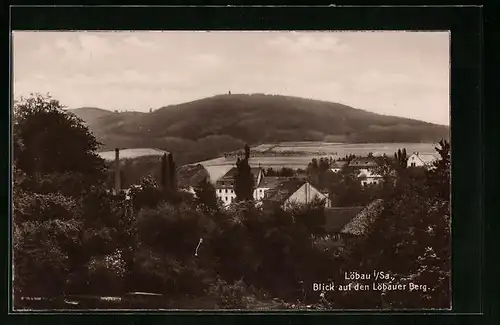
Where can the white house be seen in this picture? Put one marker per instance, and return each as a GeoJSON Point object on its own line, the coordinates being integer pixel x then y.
{"type": "Point", "coordinates": [224, 187]}
{"type": "Point", "coordinates": [365, 166]}
{"type": "Point", "coordinates": [369, 177]}
{"type": "Point", "coordinates": [421, 160]}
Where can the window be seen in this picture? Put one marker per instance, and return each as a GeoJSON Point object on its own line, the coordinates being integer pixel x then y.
{"type": "Point", "coordinates": [225, 198]}
{"type": "Point", "coordinates": [231, 191]}
{"type": "Point", "coordinates": [260, 190]}
{"type": "Point", "coordinates": [412, 164]}
{"type": "Point", "coordinates": [226, 190]}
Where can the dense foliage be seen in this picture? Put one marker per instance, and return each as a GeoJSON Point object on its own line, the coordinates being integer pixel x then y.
{"type": "Point", "coordinates": [80, 239]}
{"type": "Point", "coordinates": [50, 139]}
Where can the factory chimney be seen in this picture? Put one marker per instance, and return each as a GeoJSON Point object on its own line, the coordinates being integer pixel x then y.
{"type": "Point", "coordinates": [117, 171]}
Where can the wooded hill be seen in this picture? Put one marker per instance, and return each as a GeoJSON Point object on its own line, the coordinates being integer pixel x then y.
{"type": "Point", "coordinates": [206, 128]}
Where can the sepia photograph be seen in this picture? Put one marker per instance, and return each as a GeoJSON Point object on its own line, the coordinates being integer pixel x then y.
{"type": "Point", "coordinates": [230, 170]}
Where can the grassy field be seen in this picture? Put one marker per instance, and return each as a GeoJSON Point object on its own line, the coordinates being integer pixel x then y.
{"type": "Point", "coordinates": [131, 153]}
{"type": "Point", "coordinates": [219, 166]}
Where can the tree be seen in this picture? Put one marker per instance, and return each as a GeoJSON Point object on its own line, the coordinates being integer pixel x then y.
{"type": "Point", "coordinates": [49, 139]}
{"type": "Point", "coordinates": [440, 172]}
{"type": "Point", "coordinates": [46, 235]}
{"type": "Point", "coordinates": [411, 238]}
{"type": "Point", "coordinates": [172, 170]}
{"type": "Point", "coordinates": [401, 160]}
{"type": "Point", "coordinates": [243, 181]}
{"type": "Point", "coordinates": [205, 195]}
{"type": "Point", "coordinates": [385, 168]}
{"type": "Point", "coordinates": [164, 173]}
{"type": "Point", "coordinates": [55, 166]}
{"type": "Point", "coordinates": [147, 194]}
{"type": "Point", "coordinates": [345, 187]}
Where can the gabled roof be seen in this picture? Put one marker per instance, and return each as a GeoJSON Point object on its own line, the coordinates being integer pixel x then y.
{"type": "Point", "coordinates": [425, 158]}
{"type": "Point", "coordinates": [284, 190]}
{"type": "Point", "coordinates": [336, 218]}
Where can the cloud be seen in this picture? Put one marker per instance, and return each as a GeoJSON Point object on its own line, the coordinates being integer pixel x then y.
{"type": "Point", "coordinates": [94, 44]}
{"type": "Point", "coordinates": [75, 49]}
{"type": "Point", "coordinates": [399, 84]}
{"type": "Point", "coordinates": [206, 60]}
{"type": "Point", "coordinates": [136, 43]}
{"type": "Point", "coordinates": [300, 44]}
{"type": "Point", "coordinates": [375, 80]}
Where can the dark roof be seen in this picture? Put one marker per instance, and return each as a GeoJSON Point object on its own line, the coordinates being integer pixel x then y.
{"type": "Point", "coordinates": [191, 175]}
{"type": "Point", "coordinates": [338, 164]}
{"type": "Point", "coordinates": [272, 181]}
{"type": "Point", "coordinates": [228, 178]}
{"type": "Point", "coordinates": [363, 220]}
{"type": "Point", "coordinates": [232, 172]}
{"type": "Point", "coordinates": [283, 191]}
{"type": "Point", "coordinates": [336, 218]}
{"type": "Point", "coordinates": [363, 162]}
{"type": "Point", "coordinates": [224, 184]}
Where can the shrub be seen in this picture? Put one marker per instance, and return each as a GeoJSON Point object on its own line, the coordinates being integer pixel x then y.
{"type": "Point", "coordinates": [43, 207]}
{"type": "Point", "coordinates": [105, 274]}
{"type": "Point", "coordinates": [41, 256]}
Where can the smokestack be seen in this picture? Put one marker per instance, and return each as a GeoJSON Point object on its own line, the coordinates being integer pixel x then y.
{"type": "Point", "coordinates": [117, 171]}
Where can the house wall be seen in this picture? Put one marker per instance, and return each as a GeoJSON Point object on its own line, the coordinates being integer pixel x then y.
{"type": "Point", "coordinates": [368, 172]}
{"type": "Point", "coordinates": [414, 161]}
{"type": "Point", "coordinates": [227, 195]}
{"type": "Point", "coordinates": [305, 194]}
{"type": "Point", "coordinates": [259, 192]}
{"type": "Point", "coordinates": [372, 180]}
{"type": "Point", "coordinates": [369, 177]}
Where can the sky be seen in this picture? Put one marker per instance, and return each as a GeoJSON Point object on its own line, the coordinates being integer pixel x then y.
{"type": "Point", "coordinates": [392, 73]}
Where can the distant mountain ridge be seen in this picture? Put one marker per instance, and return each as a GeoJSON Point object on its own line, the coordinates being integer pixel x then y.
{"type": "Point", "coordinates": [90, 114]}
{"type": "Point", "coordinates": [205, 128]}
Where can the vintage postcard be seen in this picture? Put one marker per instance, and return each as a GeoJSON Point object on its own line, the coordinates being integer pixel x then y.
{"type": "Point", "coordinates": [231, 170]}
